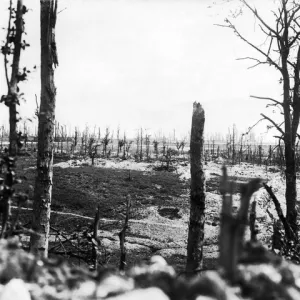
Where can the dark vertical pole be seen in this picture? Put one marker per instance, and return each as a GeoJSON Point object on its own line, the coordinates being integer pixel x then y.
{"type": "Point", "coordinates": [197, 196]}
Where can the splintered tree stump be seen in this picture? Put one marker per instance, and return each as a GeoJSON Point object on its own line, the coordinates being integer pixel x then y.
{"type": "Point", "coordinates": [197, 194]}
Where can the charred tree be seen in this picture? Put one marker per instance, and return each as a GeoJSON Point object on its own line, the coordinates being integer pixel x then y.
{"type": "Point", "coordinates": [43, 181]}
{"type": "Point", "coordinates": [197, 193]}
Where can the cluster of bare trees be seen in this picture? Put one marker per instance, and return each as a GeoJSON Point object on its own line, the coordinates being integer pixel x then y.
{"type": "Point", "coordinates": [254, 153]}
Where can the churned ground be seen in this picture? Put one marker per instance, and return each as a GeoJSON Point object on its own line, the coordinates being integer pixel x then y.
{"type": "Point", "coordinates": [159, 204]}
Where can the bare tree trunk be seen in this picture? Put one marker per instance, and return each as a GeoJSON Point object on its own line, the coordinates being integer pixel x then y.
{"type": "Point", "coordinates": [289, 146]}
{"type": "Point", "coordinates": [13, 85]}
{"type": "Point", "coordinates": [43, 181]}
{"type": "Point", "coordinates": [13, 144]}
{"type": "Point", "coordinates": [291, 191]}
{"type": "Point", "coordinates": [197, 196]}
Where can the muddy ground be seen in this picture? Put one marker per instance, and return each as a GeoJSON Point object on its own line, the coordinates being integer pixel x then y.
{"type": "Point", "coordinates": [160, 205]}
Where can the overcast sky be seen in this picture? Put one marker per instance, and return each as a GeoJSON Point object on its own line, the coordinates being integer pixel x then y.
{"type": "Point", "coordinates": [142, 63]}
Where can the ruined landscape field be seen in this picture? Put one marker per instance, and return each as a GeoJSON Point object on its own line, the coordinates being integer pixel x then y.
{"type": "Point", "coordinates": [159, 213]}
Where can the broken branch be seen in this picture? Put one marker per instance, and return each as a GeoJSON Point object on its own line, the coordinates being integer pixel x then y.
{"type": "Point", "coordinates": [275, 125]}
{"type": "Point", "coordinates": [267, 98]}
{"type": "Point", "coordinates": [288, 229]}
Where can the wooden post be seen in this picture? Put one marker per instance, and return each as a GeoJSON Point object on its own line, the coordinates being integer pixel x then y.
{"type": "Point", "coordinates": [197, 196]}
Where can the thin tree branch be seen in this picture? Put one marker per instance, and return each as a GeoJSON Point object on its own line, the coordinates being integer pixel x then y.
{"type": "Point", "coordinates": [272, 104]}
{"type": "Point", "coordinates": [271, 42]}
{"type": "Point", "coordinates": [279, 126]}
{"type": "Point", "coordinates": [291, 19]}
{"type": "Point", "coordinates": [267, 98]}
{"type": "Point", "coordinates": [251, 127]}
{"type": "Point", "coordinates": [62, 10]}
{"type": "Point", "coordinates": [287, 227]}
{"type": "Point", "coordinates": [265, 32]}
{"type": "Point", "coordinates": [295, 31]}
{"type": "Point", "coordinates": [294, 39]}
{"type": "Point", "coordinates": [251, 58]}
{"type": "Point", "coordinates": [269, 59]}
{"type": "Point", "coordinates": [293, 15]}
{"type": "Point", "coordinates": [297, 23]}
{"type": "Point", "coordinates": [291, 64]}
{"type": "Point", "coordinates": [278, 137]}
{"type": "Point", "coordinates": [255, 59]}
{"type": "Point", "coordinates": [259, 63]}
{"type": "Point", "coordinates": [275, 125]}
{"type": "Point", "coordinates": [254, 11]}
{"type": "Point", "coordinates": [279, 22]}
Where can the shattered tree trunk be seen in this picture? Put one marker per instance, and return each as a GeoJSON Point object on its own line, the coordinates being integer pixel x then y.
{"type": "Point", "coordinates": [43, 181]}
{"type": "Point", "coordinates": [197, 196]}
{"type": "Point", "coordinates": [13, 85]}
